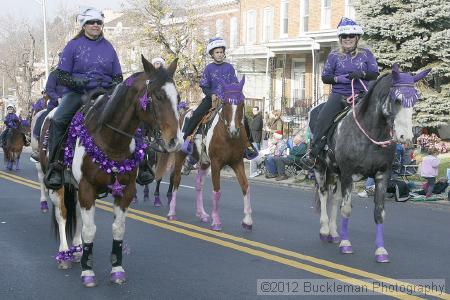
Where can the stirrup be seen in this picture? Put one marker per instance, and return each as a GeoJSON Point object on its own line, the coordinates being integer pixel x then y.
{"type": "Point", "coordinates": [307, 161]}
{"type": "Point", "coordinates": [187, 147]}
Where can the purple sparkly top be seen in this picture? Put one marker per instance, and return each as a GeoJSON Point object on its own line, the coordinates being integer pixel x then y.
{"type": "Point", "coordinates": [339, 63]}
{"type": "Point", "coordinates": [214, 73]}
{"type": "Point", "coordinates": [11, 120]}
{"type": "Point", "coordinates": [38, 105]}
{"type": "Point", "coordinates": [54, 90]}
{"type": "Point", "coordinates": [96, 61]}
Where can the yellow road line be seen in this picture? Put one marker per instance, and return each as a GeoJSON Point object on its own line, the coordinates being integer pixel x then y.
{"type": "Point", "coordinates": [18, 177]}
{"type": "Point", "coordinates": [262, 254]}
{"type": "Point", "coordinates": [248, 242]}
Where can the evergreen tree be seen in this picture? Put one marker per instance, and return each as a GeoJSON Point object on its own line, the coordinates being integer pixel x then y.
{"type": "Point", "coordinates": [415, 34]}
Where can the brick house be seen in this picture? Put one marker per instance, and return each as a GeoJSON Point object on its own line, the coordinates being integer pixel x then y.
{"type": "Point", "coordinates": [282, 48]}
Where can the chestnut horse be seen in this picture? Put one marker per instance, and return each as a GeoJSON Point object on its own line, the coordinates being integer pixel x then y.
{"type": "Point", "coordinates": [13, 146]}
{"type": "Point", "coordinates": [222, 145]}
{"type": "Point", "coordinates": [103, 153]}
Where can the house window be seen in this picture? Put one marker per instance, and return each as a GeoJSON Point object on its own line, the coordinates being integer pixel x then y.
{"type": "Point", "coordinates": [251, 27]}
{"type": "Point", "coordinates": [298, 84]}
{"type": "Point", "coordinates": [233, 32]}
{"type": "Point", "coordinates": [219, 28]}
{"type": "Point", "coordinates": [267, 24]}
{"type": "Point", "coordinates": [304, 16]}
{"type": "Point", "coordinates": [284, 20]}
{"type": "Point", "coordinates": [325, 14]}
{"type": "Point", "coordinates": [350, 9]}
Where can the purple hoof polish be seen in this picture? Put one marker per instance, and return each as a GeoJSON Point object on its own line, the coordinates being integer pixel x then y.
{"type": "Point", "coordinates": [88, 281]}
{"type": "Point", "coordinates": [246, 226]}
{"type": "Point", "coordinates": [118, 277]}
{"type": "Point", "coordinates": [383, 258]}
{"type": "Point", "coordinates": [157, 202]}
{"type": "Point", "coordinates": [44, 206]}
{"type": "Point", "coordinates": [324, 238]}
{"type": "Point", "coordinates": [216, 227]}
{"type": "Point", "coordinates": [346, 249]}
{"type": "Point", "coordinates": [172, 218]}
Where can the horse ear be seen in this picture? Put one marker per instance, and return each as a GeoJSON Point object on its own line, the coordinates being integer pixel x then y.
{"type": "Point", "coordinates": [395, 71]}
{"type": "Point", "coordinates": [173, 66]}
{"type": "Point", "coordinates": [148, 67]}
{"type": "Point", "coordinates": [242, 82]}
{"type": "Point", "coordinates": [421, 75]}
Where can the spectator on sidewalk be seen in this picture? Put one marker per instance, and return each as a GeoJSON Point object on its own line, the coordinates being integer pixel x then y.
{"type": "Point", "coordinates": [295, 154]}
{"type": "Point", "coordinates": [275, 123]}
{"type": "Point", "coordinates": [369, 189]}
{"type": "Point", "coordinates": [256, 127]}
{"type": "Point", "coordinates": [275, 145]}
{"type": "Point", "coordinates": [429, 169]}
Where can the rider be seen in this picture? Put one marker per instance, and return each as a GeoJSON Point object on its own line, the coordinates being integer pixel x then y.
{"type": "Point", "coordinates": [87, 62]}
{"type": "Point", "coordinates": [11, 121]}
{"type": "Point", "coordinates": [210, 85]}
{"type": "Point", "coordinates": [53, 92]}
{"type": "Point", "coordinates": [342, 65]}
{"type": "Point", "coordinates": [158, 62]}
{"type": "Point", "coordinates": [39, 104]}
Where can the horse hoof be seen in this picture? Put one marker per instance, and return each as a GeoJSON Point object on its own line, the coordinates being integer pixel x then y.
{"type": "Point", "coordinates": [118, 277]}
{"type": "Point", "coordinates": [204, 219]}
{"type": "Point", "coordinates": [346, 249]}
{"type": "Point", "coordinates": [383, 258]}
{"type": "Point", "coordinates": [88, 281]}
{"type": "Point", "coordinates": [334, 239]}
{"type": "Point", "coordinates": [76, 258]}
{"type": "Point", "coordinates": [216, 227]}
{"type": "Point", "coordinates": [44, 206]}
{"type": "Point", "coordinates": [324, 238]}
{"type": "Point", "coordinates": [64, 265]}
{"type": "Point", "coordinates": [247, 226]}
{"type": "Point", "coordinates": [157, 202]}
{"type": "Point", "coordinates": [172, 218]}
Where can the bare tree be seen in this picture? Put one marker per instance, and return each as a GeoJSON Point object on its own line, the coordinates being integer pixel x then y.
{"type": "Point", "coordinates": [177, 31]}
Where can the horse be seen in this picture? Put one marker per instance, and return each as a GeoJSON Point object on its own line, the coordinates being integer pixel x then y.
{"type": "Point", "coordinates": [103, 152]}
{"type": "Point", "coordinates": [13, 146]}
{"type": "Point", "coordinates": [35, 148]}
{"type": "Point", "coordinates": [223, 144]}
{"type": "Point", "coordinates": [363, 145]}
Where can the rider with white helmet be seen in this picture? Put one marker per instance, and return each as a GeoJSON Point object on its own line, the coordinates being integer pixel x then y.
{"type": "Point", "coordinates": [217, 71]}
{"type": "Point", "coordinates": [11, 121]}
{"type": "Point", "coordinates": [342, 65]}
{"type": "Point", "coordinates": [158, 62]}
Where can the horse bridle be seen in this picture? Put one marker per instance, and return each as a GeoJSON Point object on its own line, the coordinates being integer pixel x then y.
{"type": "Point", "coordinates": [143, 103]}
{"type": "Point", "coordinates": [225, 122]}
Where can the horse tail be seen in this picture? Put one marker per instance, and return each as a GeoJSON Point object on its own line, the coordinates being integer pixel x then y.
{"type": "Point", "coordinates": [70, 204]}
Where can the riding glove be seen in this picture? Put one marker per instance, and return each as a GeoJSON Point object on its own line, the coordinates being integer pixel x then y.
{"type": "Point", "coordinates": [357, 75]}
{"type": "Point", "coordinates": [342, 79]}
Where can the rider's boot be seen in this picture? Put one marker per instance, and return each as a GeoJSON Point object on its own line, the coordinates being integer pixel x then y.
{"type": "Point", "coordinates": [189, 165]}
{"type": "Point", "coordinates": [35, 156]}
{"type": "Point", "coordinates": [145, 174]}
{"type": "Point", "coordinates": [26, 140]}
{"type": "Point", "coordinates": [308, 161]}
{"type": "Point", "coordinates": [250, 151]}
{"type": "Point", "coordinates": [53, 178]}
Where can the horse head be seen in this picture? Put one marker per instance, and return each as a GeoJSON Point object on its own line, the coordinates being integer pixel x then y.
{"type": "Point", "coordinates": [402, 97]}
{"type": "Point", "coordinates": [233, 106]}
{"type": "Point", "coordinates": [158, 105]}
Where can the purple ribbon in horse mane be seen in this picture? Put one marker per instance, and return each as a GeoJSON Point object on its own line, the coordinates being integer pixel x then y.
{"type": "Point", "coordinates": [182, 105]}
{"type": "Point", "coordinates": [78, 130]}
{"type": "Point", "coordinates": [143, 101]}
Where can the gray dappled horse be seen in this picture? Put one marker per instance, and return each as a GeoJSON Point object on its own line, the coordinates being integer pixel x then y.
{"type": "Point", "coordinates": [383, 114]}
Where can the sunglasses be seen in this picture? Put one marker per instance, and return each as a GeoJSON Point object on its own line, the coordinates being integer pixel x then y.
{"type": "Point", "coordinates": [347, 36]}
{"type": "Point", "coordinates": [92, 22]}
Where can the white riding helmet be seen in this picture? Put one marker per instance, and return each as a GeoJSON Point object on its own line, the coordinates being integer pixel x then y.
{"type": "Point", "coordinates": [159, 60]}
{"type": "Point", "coordinates": [10, 105]}
{"type": "Point", "coordinates": [348, 26]}
{"type": "Point", "coordinates": [215, 43]}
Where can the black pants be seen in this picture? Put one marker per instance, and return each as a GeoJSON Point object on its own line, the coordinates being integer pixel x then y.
{"type": "Point", "coordinates": [332, 107]}
{"type": "Point", "coordinates": [62, 117]}
{"type": "Point", "coordinates": [39, 122]}
{"type": "Point", "coordinates": [200, 112]}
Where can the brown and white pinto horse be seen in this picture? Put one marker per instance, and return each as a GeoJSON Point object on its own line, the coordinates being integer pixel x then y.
{"type": "Point", "coordinates": [223, 145]}
{"type": "Point", "coordinates": [110, 123]}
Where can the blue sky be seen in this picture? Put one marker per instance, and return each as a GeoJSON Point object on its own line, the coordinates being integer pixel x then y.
{"type": "Point", "coordinates": [32, 10]}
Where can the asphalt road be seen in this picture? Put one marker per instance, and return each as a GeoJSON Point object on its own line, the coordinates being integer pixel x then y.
{"type": "Point", "coordinates": [186, 260]}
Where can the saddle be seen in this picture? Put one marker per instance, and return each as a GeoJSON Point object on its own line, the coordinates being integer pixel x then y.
{"type": "Point", "coordinates": [205, 123]}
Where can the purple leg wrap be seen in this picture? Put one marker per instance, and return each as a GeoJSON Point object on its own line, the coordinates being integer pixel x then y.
{"type": "Point", "coordinates": [344, 228]}
{"type": "Point", "coordinates": [379, 241]}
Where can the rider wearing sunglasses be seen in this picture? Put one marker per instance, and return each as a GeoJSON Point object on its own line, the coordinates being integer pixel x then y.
{"type": "Point", "coordinates": [342, 65]}
{"type": "Point", "coordinates": [87, 62]}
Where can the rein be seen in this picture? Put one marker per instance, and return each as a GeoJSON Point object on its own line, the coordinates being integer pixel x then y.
{"type": "Point", "coordinates": [351, 100]}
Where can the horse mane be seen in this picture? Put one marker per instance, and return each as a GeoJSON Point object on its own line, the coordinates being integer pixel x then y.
{"type": "Point", "coordinates": [117, 96]}
{"type": "Point", "coordinates": [375, 89]}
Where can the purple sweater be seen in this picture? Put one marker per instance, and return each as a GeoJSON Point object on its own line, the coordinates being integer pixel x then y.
{"type": "Point", "coordinates": [11, 120]}
{"type": "Point", "coordinates": [214, 73]}
{"type": "Point", "coordinates": [339, 63]}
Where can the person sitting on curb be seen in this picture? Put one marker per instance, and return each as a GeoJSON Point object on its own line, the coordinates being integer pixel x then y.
{"type": "Point", "coordinates": [295, 154]}
{"type": "Point", "coordinates": [429, 169]}
{"type": "Point", "coordinates": [276, 147]}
